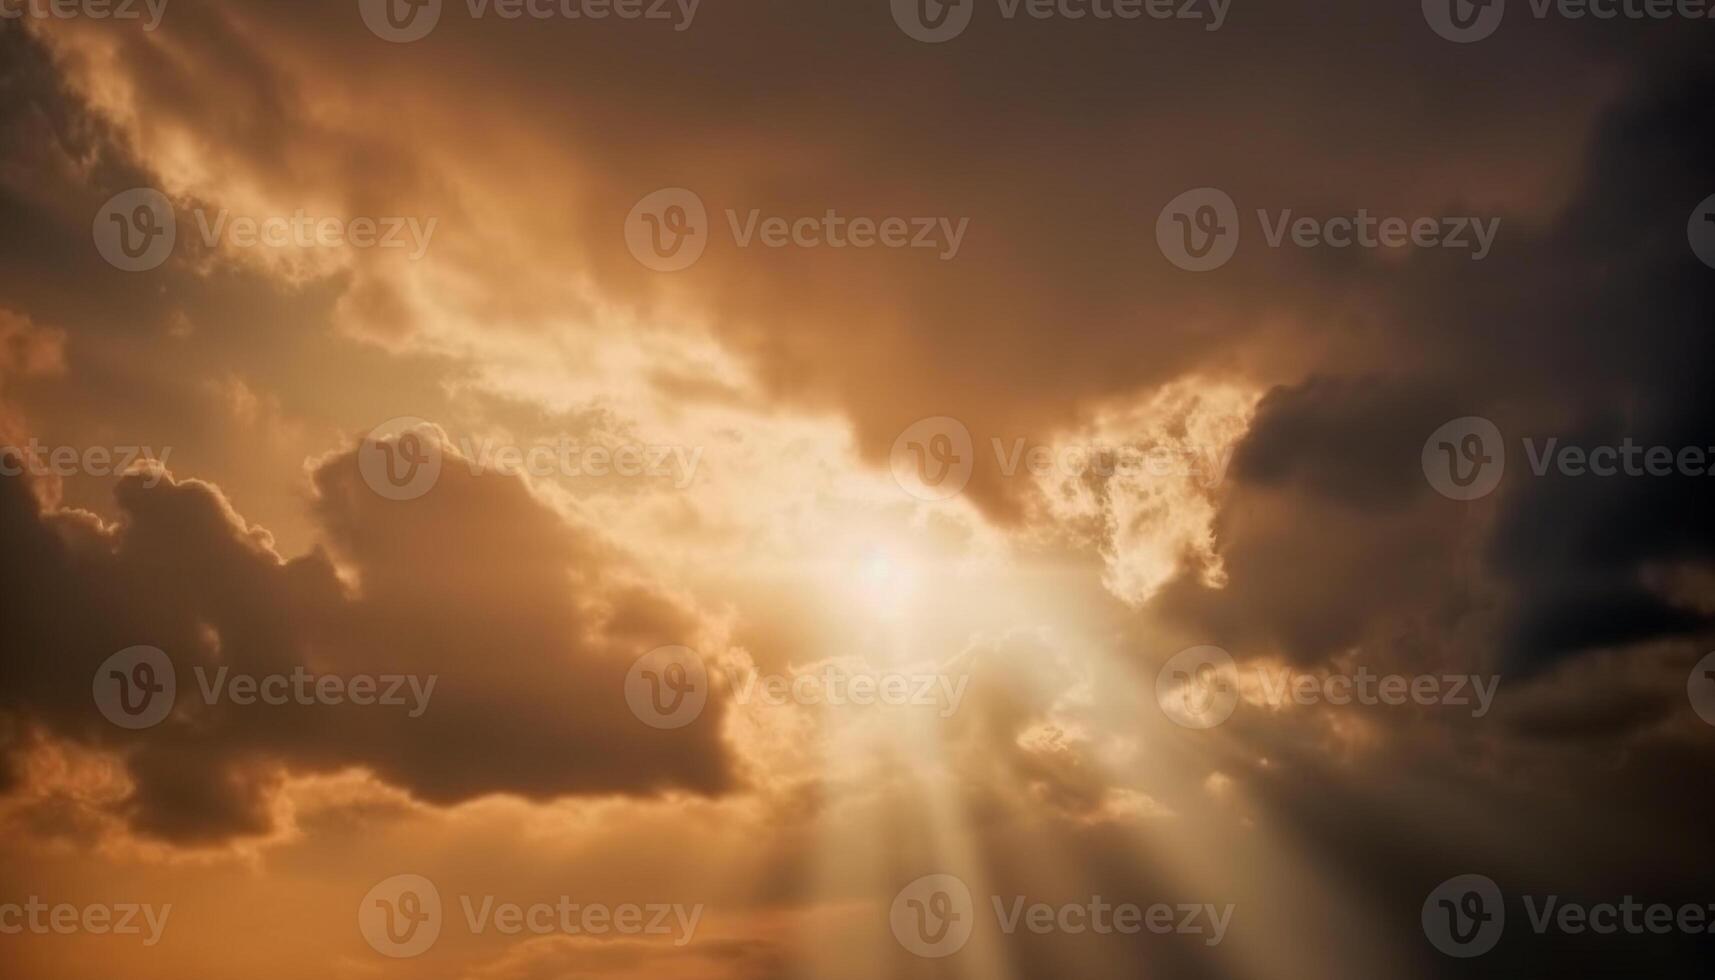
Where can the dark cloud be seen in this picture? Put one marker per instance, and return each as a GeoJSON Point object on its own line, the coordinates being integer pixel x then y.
{"type": "Point", "coordinates": [1589, 329]}
{"type": "Point", "coordinates": [1352, 441]}
{"type": "Point", "coordinates": [528, 623]}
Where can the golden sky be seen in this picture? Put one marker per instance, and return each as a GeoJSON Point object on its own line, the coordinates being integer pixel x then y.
{"type": "Point", "coordinates": [728, 464]}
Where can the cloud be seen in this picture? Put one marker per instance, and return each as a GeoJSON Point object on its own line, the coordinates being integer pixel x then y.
{"type": "Point", "coordinates": [1059, 323]}
{"type": "Point", "coordinates": [528, 623]}
{"type": "Point", "coordinates": [531, 161]}
{"type": "Point", "coordinates": [1583, 329]}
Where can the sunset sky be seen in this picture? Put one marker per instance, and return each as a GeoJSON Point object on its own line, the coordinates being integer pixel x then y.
{"type": "Point", "coordinates": [739, 459]}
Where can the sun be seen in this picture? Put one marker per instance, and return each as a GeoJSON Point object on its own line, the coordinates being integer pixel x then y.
{"type": "Point", "coordinates": [886, 581]}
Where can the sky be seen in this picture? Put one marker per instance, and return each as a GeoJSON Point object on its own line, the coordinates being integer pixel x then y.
{"type": "Point", "coordinates": [753, 490]}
